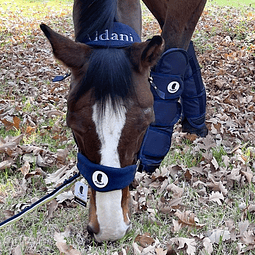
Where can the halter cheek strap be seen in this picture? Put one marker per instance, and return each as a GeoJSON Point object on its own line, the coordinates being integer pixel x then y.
{"type": "Point", "coordinates": [103, 178]}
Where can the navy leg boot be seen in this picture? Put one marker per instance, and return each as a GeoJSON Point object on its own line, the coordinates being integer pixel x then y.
{"type": "Point", "coordinates": [167, 87]}
{"type": "Point", "coordinates": [193, 98]}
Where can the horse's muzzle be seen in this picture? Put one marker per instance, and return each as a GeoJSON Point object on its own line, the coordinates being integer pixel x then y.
{"type": "Point", "coordinates": [99, 237]}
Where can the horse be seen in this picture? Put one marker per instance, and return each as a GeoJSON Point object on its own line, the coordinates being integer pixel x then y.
{"type": "Point", "coordinates": [110, 103]}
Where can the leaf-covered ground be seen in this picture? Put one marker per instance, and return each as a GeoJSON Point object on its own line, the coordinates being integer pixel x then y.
{"type": "Point", "coordinates": [201, 200]}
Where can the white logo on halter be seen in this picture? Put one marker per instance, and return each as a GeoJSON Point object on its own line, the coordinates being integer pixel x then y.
{"type": "Point", "coordinates": [173, 87]}
{"type": "Point", "coordinates": [107, 36]}
{"type": "Point", "coordinates": [100, 179]}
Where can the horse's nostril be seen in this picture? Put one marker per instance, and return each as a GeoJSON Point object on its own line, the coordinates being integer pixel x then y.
{"type": "Point", "coordinates": [90, 230]}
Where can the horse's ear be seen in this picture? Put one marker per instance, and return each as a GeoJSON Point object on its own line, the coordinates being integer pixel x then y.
{"type": "Point", "coordinates": [152, 51]}
{"type": "Point", "coordinates": [71, 53]}
{"type": "Point", "coordinates": [146, 54]}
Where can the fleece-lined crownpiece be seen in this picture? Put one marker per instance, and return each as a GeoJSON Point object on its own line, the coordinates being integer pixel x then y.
{"type": "Point", "coordinates": [119, 36]}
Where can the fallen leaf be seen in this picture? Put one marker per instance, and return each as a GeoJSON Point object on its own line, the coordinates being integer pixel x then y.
{"type": "Point", "coordinates": [251, 208]}
{"type": "Point", "coordinates": [219, 234]}
{"type": "Point", "coordinates": [208, 248]}
{"type": "Point", "coordinates": [7, 124]}
{"type": "Point", "coordinates": [176, 225]}
{"type": "Point", "coordinates": [160, 251]}
{"type": "Point", "coordinates": [136, 249]}
{"type": "Point", "coordinates": [67, 249]}
{"type": "Point", "coordinates": [38, 171]}
{"type": "Point", "coordinates": [191, 137]}
{"type": "Point", "coordinates": [248, 238]}
{"type": "Point", "coordinates": [29, 158]}
{"type": "Point", "coordinates": [25, 168]}
{"type": "Point", "coordinates": [248, 175]}
{"type": "Point", "coordinates": [216, 197]}
{"type": "Point", "coordinates": [16, 122]}
{"type": "Point", "coordinates": [188, 175]}
{"type": "Point", "coordinates": [177, 191]}
{"type": "Point", "coordinates": [182, 242]}
{"type": "Point", "coordinates": [8, 214]}
{"type": "Point", "coordinates": [217, 186]}
{"type": "Point", "coordinates": [17, 250]}
{"type": "Point", "coordinates": [61, 243]}
{"type": "Point", "coordinates": [65, 196]}
{"type": "Point", "coordinates": [243, 226]}
{"type": "Point", "coordinates": [30, 130]}
{"type": "Point", "coordinates": [232, 228]}
{"type": "Point", "coordinates": [144, 240]}
{"type": "Point", "coordinates": [62, 155]}
{"type": "Point", "coordinates": [5, 164]}
{"type": "Point", "coordinates": [8, 147]}
{"type": "Point", "coordinates": [60, 175]}
{"type": "Point", "coordinates": [51, 207]}
{"type": "Point", "coordinates": [215, 163]}
{"type": "Point", "coordinates": [169, 205]}
{"type": "Point", "coordinates": [60, 237]}
{"type": "Point", "coordinates": [170, 250]}
{"type": "Point", "coordinates": [187, 218]}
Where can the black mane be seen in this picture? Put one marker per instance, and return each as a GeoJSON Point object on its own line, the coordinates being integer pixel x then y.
{"type": "Point", "coordinates": [109, 72]}
{"type": "Point", "coordinates": [95, 15]}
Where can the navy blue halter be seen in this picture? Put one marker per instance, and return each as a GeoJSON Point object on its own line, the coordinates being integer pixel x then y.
{"type": "Point", "coordinates": [103, 178]}
{"type": "Point", "coordinates": [119, 36]}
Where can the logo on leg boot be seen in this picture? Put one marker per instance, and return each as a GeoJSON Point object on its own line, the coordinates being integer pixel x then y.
{"type": "Point", "coordinates": [173, 87]}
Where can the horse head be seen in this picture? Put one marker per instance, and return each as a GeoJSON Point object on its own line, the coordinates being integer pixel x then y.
{"type": "Point", "coordinates": [110, 106]}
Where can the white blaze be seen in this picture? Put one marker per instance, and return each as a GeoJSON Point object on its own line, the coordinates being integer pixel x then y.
{"type": "Point", "coordinates": [108, 204]}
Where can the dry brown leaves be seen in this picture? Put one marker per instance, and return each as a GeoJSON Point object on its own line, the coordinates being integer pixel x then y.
{"type": "Point", "coordinates": [212, 183]}
{"type": "Point", "coordinates": [63, 247]}
{"type": "Point", "coordinates": [29, 101]}
{"type": "Point", "coordinates": [229, 75]}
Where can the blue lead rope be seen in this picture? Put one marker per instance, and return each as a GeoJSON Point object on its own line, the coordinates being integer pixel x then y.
{"type": "Point", "coordinates": [100, 178]}
{"type": "Point", "coordinates": [60, 77]}
{"type": "Point", "coordinates": [45, 199]}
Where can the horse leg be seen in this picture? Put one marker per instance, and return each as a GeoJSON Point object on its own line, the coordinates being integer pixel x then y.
{"type": "Point", "coordinates": [158, 8]}
{"type": "Point", "coordinates": [176, 75]}
{"type": "Point", "coordinates": [176, 32]}
{"type": "Point", "coordinates": [177, 19]}
{"type": "Point", "coordinates": [129, 13]}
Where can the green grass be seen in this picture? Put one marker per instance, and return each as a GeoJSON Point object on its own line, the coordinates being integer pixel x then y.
{"type": "Point", "coordinates": [234, 3]}
{"type": "Point", "coordinates": [39, 7]}
{"type": "Point", "coordinates": [16, 26]}
{"type": "Point", "coordinates": [235, 23]}
{"type": "Point", "coordinates": [35, 233]}
{"type": "Point", "coordinates": [182, 154]}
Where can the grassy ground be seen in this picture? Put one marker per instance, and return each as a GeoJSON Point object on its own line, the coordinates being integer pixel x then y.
{"type": "Point", "coordinates": [205, 187]}
{"type": "Point", "coordinates": [235, 3]}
